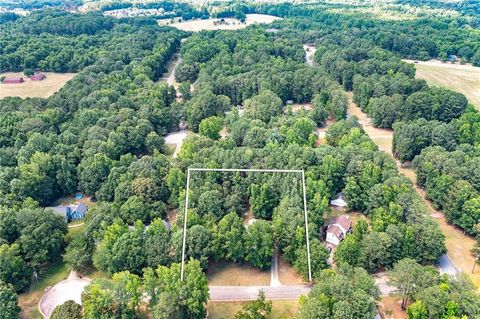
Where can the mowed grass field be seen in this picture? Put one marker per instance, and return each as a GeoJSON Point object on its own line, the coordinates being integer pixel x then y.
{"type": "Point", "coordinates": [229, 24]}
{"type": "Point", "coordinates": [461, 78]}
{"type": "Point", "coordinates": [281, 309]}
{"type": "Point", "coordinates": [43, 89]}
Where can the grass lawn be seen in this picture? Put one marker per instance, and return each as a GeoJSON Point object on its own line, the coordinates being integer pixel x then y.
{"type": "Point", "coordinates": [170, 149]}
{"type": "Point", "coordinates": [231, 274]}
{"type": "Point", "coordinates": [461, 78]}
{"type": "Point", "coordinates": [287, 274]}
{"type": "Point", "coordinates": [44, 89]}
{"type": "Point", "coordinates": [28, 300]}
{"type": "Point", "coordinates": [281, 309]}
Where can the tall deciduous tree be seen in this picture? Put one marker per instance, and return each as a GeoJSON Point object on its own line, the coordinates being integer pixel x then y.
{"type": "Point", "coordinates": [410, 277]}
{"type": "Point", "coordinates": [8, 301]}
{"type": "Point", "coordinates": [259, 244]}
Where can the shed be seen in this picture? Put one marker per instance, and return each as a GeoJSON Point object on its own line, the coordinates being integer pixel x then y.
{"type": "Point", "coordinates": [38, 77]}
{"type": "Point", "coordinates": [14, 80]}
{"type": "Point", "coordinates": [339, 201]}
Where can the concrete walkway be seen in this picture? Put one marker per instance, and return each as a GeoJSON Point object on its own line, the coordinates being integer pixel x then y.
{"type": "Point", "coordinates": [274, 281]}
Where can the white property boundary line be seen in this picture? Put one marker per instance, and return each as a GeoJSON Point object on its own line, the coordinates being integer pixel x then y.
{"type": "Point", "coordinates": [246, 170]}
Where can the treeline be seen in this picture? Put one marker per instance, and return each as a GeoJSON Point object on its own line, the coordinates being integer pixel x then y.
{"type": "Point", "coordinates": [172, 9]}
{"type": "Point", "coordinates": [235, 66]}
{"type": "Point", "coordinates": [73, 139]}
{"type": "Point", "coordinates": [60, 22]}
{"type": "Point", "coordinates": [56, 41]}
{"type": "Point", "coordinates": [40, 4]}
{"type": "Point", "coordinates": [421, 116]}
{"type": "Point", "coordinates": [109, 119]}
{"type": "Point", "coordinates": [423, 38]}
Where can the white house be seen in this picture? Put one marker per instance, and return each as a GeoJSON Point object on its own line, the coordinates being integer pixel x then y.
{"type": "Point", "coordinates": [338, 228]}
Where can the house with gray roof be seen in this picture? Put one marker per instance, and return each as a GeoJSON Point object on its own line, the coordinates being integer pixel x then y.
{"type": "Point", "coordinates": [70, 212]}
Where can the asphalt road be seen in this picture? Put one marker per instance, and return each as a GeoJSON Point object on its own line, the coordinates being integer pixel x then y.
{"type": "Point", "coordinates": [241, 293]}
{"type": "Point", "coordinates": [446, 266]}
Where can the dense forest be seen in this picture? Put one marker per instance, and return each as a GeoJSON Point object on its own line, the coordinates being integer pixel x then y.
{"type": "Point", "coordinates": [103, 134]}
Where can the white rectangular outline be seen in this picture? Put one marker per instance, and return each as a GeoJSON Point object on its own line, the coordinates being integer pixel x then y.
{"type": "Point", "coordinates": [246, 170]}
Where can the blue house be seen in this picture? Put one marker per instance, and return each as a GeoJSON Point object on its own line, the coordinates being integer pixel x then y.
{"type": "Point", "coordinates": [71, 212]}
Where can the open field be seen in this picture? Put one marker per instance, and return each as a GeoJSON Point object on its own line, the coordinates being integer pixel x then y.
{"type": "Point", "coordinates": [461, 78]}
{"type": "Point", "coordinates": [210, 24]}
{"type": "Point", "coordinates": [281, 309]}
{"type": "Point", "coordinates": [231, 274]}
{"type": "Point", "coordinates": [43, 89]}
{"type": "Point", "coordinates": [458, 244]}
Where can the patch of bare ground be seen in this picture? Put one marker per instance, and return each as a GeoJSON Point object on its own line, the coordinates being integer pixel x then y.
{"type": "Point", "coordinates": [287, 274]}
{"type": "Point", "coordinates": [223, 273]}
{"type": "Point", "coordinates": [390, 307]}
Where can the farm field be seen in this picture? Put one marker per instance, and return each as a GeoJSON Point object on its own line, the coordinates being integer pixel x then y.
{"type": "Point", "coordinates": [281, 309]}
{"type": "Point", "coordinates": [461, 78]}
{"type": "Point", "coordinates": [229, 24]}
{"type": "Point", "coordinates": [43, 89]}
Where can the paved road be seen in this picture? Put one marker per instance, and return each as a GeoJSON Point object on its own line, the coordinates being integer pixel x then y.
{"type": "Point", "coordinates": [68, 289]}
{"type": "Point", "coordinates": [446, 266]}
{"type": "Point", "coordinates": [240, 293]}
{"type": "Point", "coordinates": [176, 138]}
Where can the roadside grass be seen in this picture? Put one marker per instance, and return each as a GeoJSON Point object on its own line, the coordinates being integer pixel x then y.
{"type": "Point", "coordinates": [223, 273]}
{"type": "Point", "coordinates": [281, 309]}
{"type": "Point", "coordinates": [42, 89]}
{"type": "Point", "coordinates": [287, 274]}
{"type": "Point", "coordinates": [28, 300]}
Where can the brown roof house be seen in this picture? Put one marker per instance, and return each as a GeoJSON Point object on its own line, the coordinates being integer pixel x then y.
{"type": "Point", "coordinates": [338, 228]}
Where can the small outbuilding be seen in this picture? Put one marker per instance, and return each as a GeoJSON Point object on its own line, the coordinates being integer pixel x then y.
{"type": "Point", "coordinates": [339, 201]}
{"type": "Point", "coordinates": [38, 77]}
{"type": "Point", "coordinates": [14, 80]}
